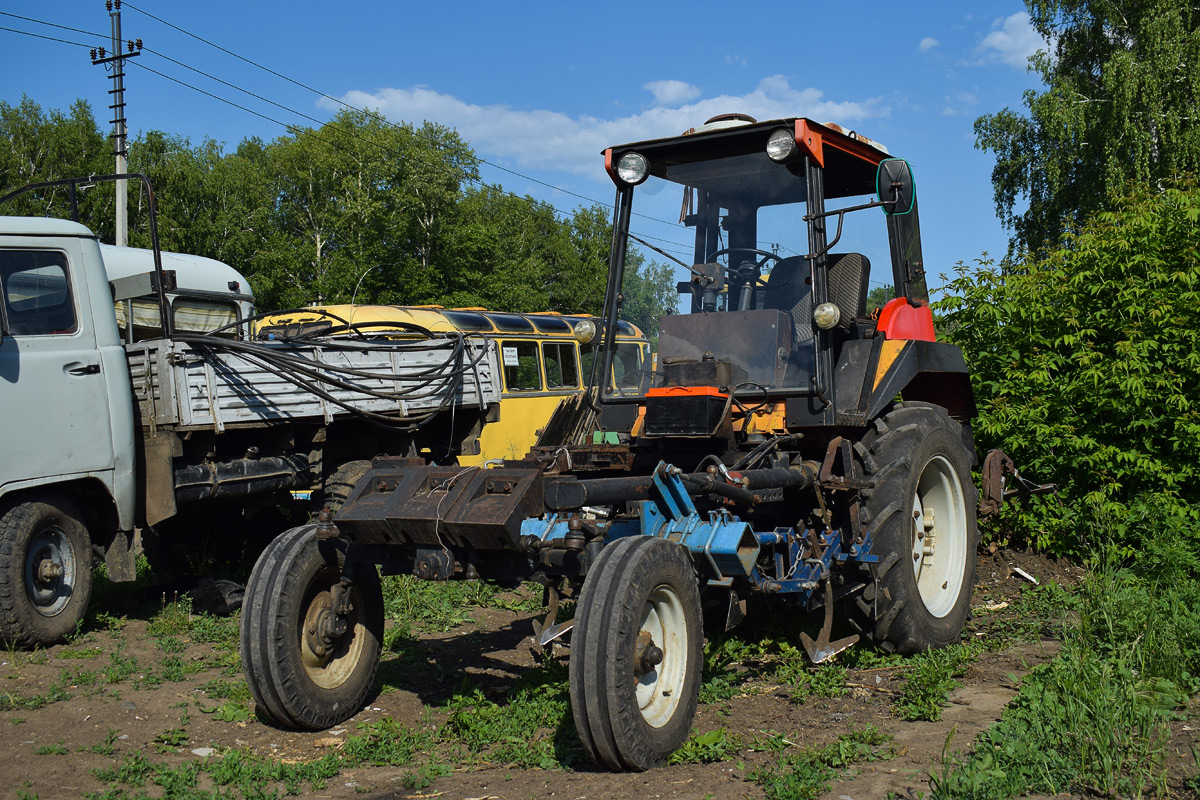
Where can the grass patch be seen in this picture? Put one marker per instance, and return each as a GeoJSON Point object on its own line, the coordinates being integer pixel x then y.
{"type": "Point", "coordinates": [414, 604]}
{"type": "Point", "coordinates": [55, 694]}
{"type": "Point", "coordinates": [807, 775]}
{"type": "Point", "coordinates": [1094, 720]}
{"type": "Point", "coordinates": [723, 673]}
{"type": "Point", "coordinates": [707, 748]}
{"type": "Point", "coordinates": [931, 676]}
{"type": "Point", "coordinates": [510, 732]}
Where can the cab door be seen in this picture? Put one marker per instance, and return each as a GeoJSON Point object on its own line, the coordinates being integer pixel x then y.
{"type": "Point", "coordinates": [56, 416]}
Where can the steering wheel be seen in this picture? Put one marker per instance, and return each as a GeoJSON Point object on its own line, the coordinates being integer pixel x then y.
{"type": "Point", "coordinates": [767, 255]}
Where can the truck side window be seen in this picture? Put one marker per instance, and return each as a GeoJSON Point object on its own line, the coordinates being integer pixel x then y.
{"type": "Point", "coordinates": [36, 293]}
{"type": "Point", "coordinates": [522, 372]}
{"type": "Point", "coordinates": [561, 369]}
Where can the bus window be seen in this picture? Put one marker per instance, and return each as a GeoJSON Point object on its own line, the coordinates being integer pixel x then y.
{"type": "Point", "coordinates": [522, 373]}
{"type": "Point", "coordinates": [561, 369]}
{"type": "Point", "coordinates": [631, 369]}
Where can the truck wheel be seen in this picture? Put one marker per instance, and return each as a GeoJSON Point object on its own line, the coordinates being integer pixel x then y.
{"type": "Point", "coordinates": [342, 482]}
{"type": "Point", "coordinates": [45, 572]}
{"type": "Point", "coordinates": [636, 654]}
{"type": "Point", "coordinates": [921, 517]}
{"type": "Point", "coordinates": [309, 666]}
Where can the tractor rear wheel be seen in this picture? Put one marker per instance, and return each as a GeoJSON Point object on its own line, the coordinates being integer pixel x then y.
{"type": "Point", "coordinates": [921, 517]}
{"type": "Point", "coordinates": [310, 643]}
{"type": "Point", "coordinates": [636, 654]}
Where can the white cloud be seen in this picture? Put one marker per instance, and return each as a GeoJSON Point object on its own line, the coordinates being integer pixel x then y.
{"type": "Point", "coordinates": [960, 104]}
{"type": "Point", "coordinates": [1012, 41]}
{"type": "Point", "coordinates": [671, 93]}
{"type": "Point", "coordinates": [545, 139]}
{"type": "Point", "coordinates": [927, 44]}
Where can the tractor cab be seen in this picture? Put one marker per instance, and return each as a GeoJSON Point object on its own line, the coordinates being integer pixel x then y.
{"type": "Point", "coordinates": [767, 225]}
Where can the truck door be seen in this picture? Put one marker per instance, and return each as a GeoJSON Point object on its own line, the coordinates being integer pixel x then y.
{"type": "Point", "coordinates": [55, 412]}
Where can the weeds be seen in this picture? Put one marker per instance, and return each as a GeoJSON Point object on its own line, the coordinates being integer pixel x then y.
{"type": "Point", "coordinates": [385, 743]}
{"type": "Point", "coordinates": [506, 733]}
{"type": "Point", "coordinates": [1094, 719]}
{"type": "Point", "coordinates": [707, 748]}
{"type": "Point", "coordinates": [57, 693]}
{"type": "Point", "coordinates": [807, 775]}
{"type": "Point", "coordinates": [931, 677]}
{"type": "Point", "coordinates": [105, 748]}
{"type": "Point", "coordinates": [722, 675]}
{"type": "Point", "coordinates": [58, 749]}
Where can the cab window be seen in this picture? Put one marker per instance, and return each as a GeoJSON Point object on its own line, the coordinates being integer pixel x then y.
{"type": "Point", "coordinates": [562, 371]}
{"type": "Point", "coordinates": [522, 371]}
{"type": "Point", "coordinates": [36, 293]}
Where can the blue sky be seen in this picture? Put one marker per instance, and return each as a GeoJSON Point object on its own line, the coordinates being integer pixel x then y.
{"type": "Point", "coordinates": [540, 88]}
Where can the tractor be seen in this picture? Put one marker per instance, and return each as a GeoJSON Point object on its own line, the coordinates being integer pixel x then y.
{"type": "Point", "coordinates": [784, 443]}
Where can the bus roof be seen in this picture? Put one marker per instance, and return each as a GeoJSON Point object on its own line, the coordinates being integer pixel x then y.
{"type": "Point", "coordinates": [443, 320]}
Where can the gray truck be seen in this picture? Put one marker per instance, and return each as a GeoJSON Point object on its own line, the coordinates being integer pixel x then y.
{"type": "Point", "coordinates": [135, 403]}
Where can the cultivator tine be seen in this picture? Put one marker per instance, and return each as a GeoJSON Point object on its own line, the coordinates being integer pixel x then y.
{"type": "Point", "coordinates": [546, 631]}
{"type": "Point", "coordinates": [822, 648]}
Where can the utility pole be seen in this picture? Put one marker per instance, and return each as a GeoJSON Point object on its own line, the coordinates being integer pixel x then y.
{"type": "Point", "coordinates": [115, 63]}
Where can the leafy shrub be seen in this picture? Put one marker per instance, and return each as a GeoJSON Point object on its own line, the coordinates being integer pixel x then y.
{"type": "Point", "coordinates": [1085, 363]}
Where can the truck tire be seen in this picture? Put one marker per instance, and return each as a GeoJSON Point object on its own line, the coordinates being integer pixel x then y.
{"type": "Point", "coordinates": [343, 480]}
{"type": "Point", "coordinates": [307, 674]}
{"type": "Point", "coordinates": [45, 572]}
{"type": "Point", "coordinates": [636, 654]}
{"type": "Point", "coordinates": [921, 517]}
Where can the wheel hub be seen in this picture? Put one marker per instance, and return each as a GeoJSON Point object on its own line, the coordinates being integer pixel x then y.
{"type": "Point", "coordinates": [647, 654]}
{"type": "Point", "coordinates": [50, 571]}
{"type": "Point", "coordinates": [323, 627]}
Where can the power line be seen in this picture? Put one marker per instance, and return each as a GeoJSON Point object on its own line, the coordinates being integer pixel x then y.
{"type": "Point", "coordinates": [294, 129]}
{"type": "Point", "coordinates": [104, 36]}
{"type": "Point", "coordinates": [42, 36]}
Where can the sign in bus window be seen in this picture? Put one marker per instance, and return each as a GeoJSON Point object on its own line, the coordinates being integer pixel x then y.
{"type": "Point", "coordinates": [522, 372]}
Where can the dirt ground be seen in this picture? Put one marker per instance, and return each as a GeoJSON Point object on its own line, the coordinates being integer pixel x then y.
{"type": "Point", "coordinates": [110, 694]}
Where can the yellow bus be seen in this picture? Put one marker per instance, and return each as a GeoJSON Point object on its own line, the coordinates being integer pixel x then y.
{"type": "Point", "coordinates": [546, 358]}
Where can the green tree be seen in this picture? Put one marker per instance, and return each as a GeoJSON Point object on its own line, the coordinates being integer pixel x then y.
{"type": "Point", "coordinates": [1122, 82]}
{"type": "Point", "coordinates": [879, 296]}
{"type": "Point", "coordinates": [360, 204]}
{"type": "Point", "coordinates": [37, 146]}
{"type": "Point", "coordinates": [1086, 362]}
{"type": "Point", "coordinates": [649, 292]}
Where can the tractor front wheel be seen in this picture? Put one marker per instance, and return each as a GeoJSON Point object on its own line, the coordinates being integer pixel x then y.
{"type": "Point", "coordinates": [921, 517]}
{"type": "Point", "coordinates": [310, 641]}
{"type": "Point", "coordinates": [636, 654]}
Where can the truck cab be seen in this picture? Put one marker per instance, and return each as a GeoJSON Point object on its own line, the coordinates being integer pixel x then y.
{"type": "Point", "coordinates": [68, 479]}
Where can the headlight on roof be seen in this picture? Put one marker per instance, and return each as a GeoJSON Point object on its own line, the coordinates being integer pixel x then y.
{"type": "Point", "coordinates": [585, 331]}
{"type": "Point", "coordinates": [781, 146]}
{"type": "Point", "coordinates": [633, 168]}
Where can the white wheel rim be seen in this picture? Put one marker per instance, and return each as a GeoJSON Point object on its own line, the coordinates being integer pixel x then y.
{"type": "Point", "coordinates": [660, 688]}
{"type": "Point", "coordinates": [939, 536]}
{"type": "Point", "coordinates": [50, 595]}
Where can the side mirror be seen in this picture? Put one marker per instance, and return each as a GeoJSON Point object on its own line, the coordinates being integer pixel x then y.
{"type": "Point", "coordinates": [895, 186]}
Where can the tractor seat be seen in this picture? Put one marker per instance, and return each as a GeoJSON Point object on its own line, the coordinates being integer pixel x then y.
{"type": "Point", "coordinates": [788, 290]}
